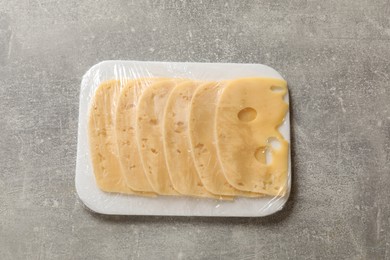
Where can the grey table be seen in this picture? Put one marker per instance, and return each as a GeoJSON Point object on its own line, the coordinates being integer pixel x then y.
{"type": "Point", "coordinates": [336, 57]}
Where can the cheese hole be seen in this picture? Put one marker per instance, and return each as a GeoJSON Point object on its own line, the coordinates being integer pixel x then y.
{"type": "Point", "coordinates": [274, 142]}
{"type": "Point", "coordinates": [260, 154]}
{"type": "Point", "coordinates": [277, 89]}
{"type": "Point", "coordinates": [268, 156]}
{"type": "Point", "coordinates": [247, 114]}
{"type": "Point", "coordinates": [153, 121]}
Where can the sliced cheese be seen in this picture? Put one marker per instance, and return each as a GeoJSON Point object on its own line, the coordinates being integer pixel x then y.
{"type": "Point", "coordinates": [177, 146]}
{"type": "Point", "coordinates": [126, 134]}
{"type": "Point", "coordinates": [150, 113]}
{"type": "Point", "coordinates": [102, 139]}
{"type": "Point", "coordinates": [203, 147]}
{"type": "Point", "coordinates": [248, 114]}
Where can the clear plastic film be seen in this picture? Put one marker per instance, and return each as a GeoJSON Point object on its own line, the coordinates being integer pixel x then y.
{"type": "Point", "coordinates": [192, 139]}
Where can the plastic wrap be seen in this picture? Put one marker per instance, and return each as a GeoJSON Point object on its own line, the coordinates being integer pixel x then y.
{"type": "Point", "coordinates": [192, 139]}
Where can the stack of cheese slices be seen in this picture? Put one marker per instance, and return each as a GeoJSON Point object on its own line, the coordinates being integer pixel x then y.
{"type": "Point", "coordinates": [181, 137]}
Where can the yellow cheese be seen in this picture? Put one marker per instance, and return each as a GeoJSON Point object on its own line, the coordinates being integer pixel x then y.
{"type": "Point", "coordinates": [177, 146]}
{"type": "Point", "coordinates": [172, 137]}
{"type": "Point", "coordinates": [126, 135]}
{"type": "Point", "coordinates": [150, 112]}
{"type": "Point", "coordinates": [102, 139]}
{"type": "Point", "coordinates": [201, 129]}
{"type": "Point", "coordinates": [248, 114]}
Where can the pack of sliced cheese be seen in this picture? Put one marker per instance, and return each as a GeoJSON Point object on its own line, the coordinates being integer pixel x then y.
{"type": "Point", "coordinates": [186, 139]}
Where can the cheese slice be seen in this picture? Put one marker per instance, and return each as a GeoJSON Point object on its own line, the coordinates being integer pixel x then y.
{"type": "Point", "coordinates": [177, 146]}
{"type": "Point", "coordinates": [126, 134]}
{"type": "Point", "coordinates": [102, 139]}
{"type": "Point", "coordinates": [203, 147]}
{"type": "Point", "coordinates": [248, 114]}
{"type": "Point", "coordinates": [150, 113]}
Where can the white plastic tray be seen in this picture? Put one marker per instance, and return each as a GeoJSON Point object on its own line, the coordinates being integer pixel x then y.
{"type": "Point", "coordinates": [116, 204]}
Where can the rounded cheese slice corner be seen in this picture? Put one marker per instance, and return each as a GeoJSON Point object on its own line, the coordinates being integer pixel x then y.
{"type": "Point", "coordinates": [126, 134]}
{"type": "Point", "coordinates": [177, 146]}
{"type": "Point", "coordinates": [102, 139]}
{"type": "Point", "coordinates": [203, 147]}
{"type": "Point", "coordinates": [248, 114]}
{"type": "Point", "coordinates": [150, 113]}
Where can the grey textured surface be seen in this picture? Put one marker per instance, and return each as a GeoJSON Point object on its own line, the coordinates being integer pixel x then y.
{"type": "Point", "coordinates": [335, 55]}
